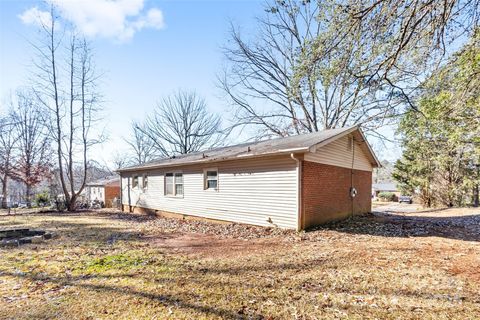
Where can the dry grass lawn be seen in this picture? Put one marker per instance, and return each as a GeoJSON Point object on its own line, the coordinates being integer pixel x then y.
{"type": "Point", "coordinates": [421, 265]}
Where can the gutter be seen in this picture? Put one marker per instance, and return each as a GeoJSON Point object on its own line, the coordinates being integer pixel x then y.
{"type": "Point", "coordinates": [200, 161]}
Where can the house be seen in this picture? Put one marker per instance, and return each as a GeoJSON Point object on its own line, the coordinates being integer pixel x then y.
{"type": "Point", "coordinates": [104, 192]}
{"type": "Point", "coordinates": [378, 188]}
{"type": "Point", "coordinates": [293, 182]}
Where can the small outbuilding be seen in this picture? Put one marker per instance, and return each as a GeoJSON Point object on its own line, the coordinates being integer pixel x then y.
{"type": "Point", "coordinates": [294, 182]}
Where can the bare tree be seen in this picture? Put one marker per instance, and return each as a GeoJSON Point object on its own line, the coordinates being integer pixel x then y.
{"type": "Point", "coordinates": [66, 84]}
{"type": "Point", "coordinates": [142, 146]}
{"type": "Point", "coordinates": [419, 29]}
{"type": "Point", "coordinates": [7, 145]}
{"type": "Point", "coordinates": [33, 163]}
{"type": "Point", "coordinates": [181, 124]}
{"type": "Point", "coordinates": [272, 88]}
{"type": "Point", "coordinates": [323, 64]}
{"type": "Point", "coordinates": [120, 160]}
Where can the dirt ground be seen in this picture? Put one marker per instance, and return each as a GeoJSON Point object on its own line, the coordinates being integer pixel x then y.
{"type": "Point", "coordinates": [401, 262]}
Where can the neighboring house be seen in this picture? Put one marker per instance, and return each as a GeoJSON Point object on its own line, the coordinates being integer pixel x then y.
{"type": "Point", "coordinates": [385, 187]}
{"type": "Point", "coordinates": [82, 197]}
{"type": "Point", "coordinates": [104, 191]}
{"type": "Point", "coordinates": [294, 182]}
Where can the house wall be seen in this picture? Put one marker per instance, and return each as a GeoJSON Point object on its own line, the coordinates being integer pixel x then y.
{"type": "Point", "coordinates": [249, 191]}
{"type": "Point", "coordinates": [328, 175]}
{"type": "Point", "coordinates": [96, 193]}
{"type": "Point", "coordinates": [338, 153]}
{"type": "Point", "coordinates": [111, 192]}
{"type": "Point", "coordinates": [326, 193]}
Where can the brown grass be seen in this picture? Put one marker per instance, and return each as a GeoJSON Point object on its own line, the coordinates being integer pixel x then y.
{"type": "Point", "coordinates": [110, 266]}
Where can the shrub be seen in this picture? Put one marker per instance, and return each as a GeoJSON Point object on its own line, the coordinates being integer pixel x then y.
{"type": "Point", "coordinates": [42, 199]}
{"type": "Point", "coordinates": [387, 196]}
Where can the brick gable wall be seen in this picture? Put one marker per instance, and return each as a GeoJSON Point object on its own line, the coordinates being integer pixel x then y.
{"type": "Point", "coordinates": [326, 193]}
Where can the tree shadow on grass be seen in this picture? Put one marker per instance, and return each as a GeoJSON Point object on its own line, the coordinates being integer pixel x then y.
{"type": "Point", "coordinates": [79, 232]}
{"type": "Point", "coordinates": [162, 298]}
{"type": "Point", "coordinates": [386, 224]}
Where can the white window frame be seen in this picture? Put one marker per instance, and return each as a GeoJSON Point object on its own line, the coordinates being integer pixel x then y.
{"type": "Point", "coordinates": [174, 195]}
{"type": "Point", "coordinates": [205, 179]}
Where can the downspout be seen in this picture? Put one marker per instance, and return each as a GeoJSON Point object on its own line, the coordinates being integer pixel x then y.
{"type": "Point", "coordinates": [121, 192]}
{"type": "Point", "coordinates": [352, 197]}
{"type": "Point", "coordinates": [299, 161]}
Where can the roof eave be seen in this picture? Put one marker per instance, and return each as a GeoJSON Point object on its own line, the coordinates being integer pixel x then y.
{"type": "Point", "coordinates": [374, 156]}
{"type": "Point", "coordinates": [241, 157]}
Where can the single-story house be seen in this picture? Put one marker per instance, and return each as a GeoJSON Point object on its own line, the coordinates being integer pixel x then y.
{"type": "Point", "coordinates": [104, 191]}
{"type": "Point", "coordinates": [378, 188]}
{"type": "Point", "coordinates": [293, 182]}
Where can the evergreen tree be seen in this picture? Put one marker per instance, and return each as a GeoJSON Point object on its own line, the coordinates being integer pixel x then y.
{"type": "Point", "coordinates": [441, 159]}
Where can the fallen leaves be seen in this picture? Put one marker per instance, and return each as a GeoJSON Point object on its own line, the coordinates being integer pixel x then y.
{"type": "Point", "coordinates": [108, 265]}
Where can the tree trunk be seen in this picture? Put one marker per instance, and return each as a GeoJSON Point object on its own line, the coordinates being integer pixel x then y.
{"type": "Point", "coordinates": [29, 195]}
{"type": "Point", "coordinates": [4, 192]}
{"type": "Point", "coordinates": [476, 196]}
{"type": "Point", "coordinates": [72, 204]}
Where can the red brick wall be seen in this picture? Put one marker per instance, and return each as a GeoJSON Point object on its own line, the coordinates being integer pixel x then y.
{"type": "Point", "coordinates": [326, 193]}
{"type": "Point", "coordinates": [110, 193]}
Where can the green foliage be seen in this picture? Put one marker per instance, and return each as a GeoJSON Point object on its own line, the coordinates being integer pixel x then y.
{"type": "Point", "coordinates": [387, 196]}
{"type": "Point", "coordinates": [114, 262]}
{"type": "Point", "coordinates": [42, 199]}
{"type": "Point", "coordinates": [441, 156]}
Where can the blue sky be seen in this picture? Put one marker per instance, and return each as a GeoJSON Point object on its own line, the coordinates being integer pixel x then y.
{"type": "Point", "coordinates": [146, 49]}
{"type": "Point", "coordinates": [183, 54]}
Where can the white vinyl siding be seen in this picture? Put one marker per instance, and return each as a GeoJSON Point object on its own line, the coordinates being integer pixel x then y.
{"type": "Point", "coordinates": [249, 191]}
{"type": "Point", "coordinates": [97, 193]}
{"type": "Point", "coordinates": [338, 153]}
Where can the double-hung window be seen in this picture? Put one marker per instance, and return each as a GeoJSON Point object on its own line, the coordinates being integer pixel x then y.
{"type": "Point", "coordinates": [174, 184]}
{"type": "Point", "coordinates": [210, 179]}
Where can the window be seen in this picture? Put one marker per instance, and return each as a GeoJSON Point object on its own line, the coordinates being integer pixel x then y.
{"type": "Point", "coordinates": [145, 182]}
{"type": "Point", "coordinates": [135, 182]}
{"type": "Point", "coordinates": [178, 183]}
{"type": "Point", "coordinates": [174, 184]}
{"type": "Point", "coordinates": [211, 179]}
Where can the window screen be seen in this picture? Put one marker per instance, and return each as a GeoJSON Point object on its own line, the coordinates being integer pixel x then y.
{"type": "Point", "coordinates": [211, 179]}
{"type": "Point", "coordinates": [174, 184]}
{"type": "Point", "coordinates": [178, 184]}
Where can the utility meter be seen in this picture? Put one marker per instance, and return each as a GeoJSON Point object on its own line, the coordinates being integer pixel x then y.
{"type": "Point", "coordinates": [353, 192]}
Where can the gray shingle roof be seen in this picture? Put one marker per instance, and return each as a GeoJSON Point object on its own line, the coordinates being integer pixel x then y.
{"type": "Point", "coordinates": [299, 143]}
{"type": "Point", "coordinates": [386, 186]}
{"type": "Point", "coordinates": [110, 181]}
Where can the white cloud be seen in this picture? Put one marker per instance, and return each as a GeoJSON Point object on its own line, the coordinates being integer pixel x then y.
{"type": "Point", "coordinates": [114, 19]}
{"type": "Point", "coordinates": [35, 17]}
{"type": "Point", "coordinates": [153, 19]}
